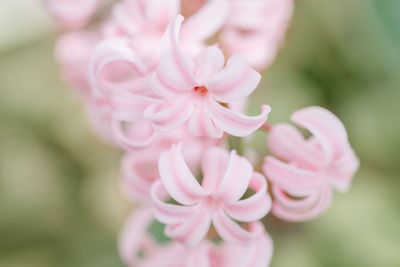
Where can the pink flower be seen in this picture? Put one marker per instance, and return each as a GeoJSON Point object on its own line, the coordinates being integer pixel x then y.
{"type": "Point", "coordinates": [256, 28]}
{"type": "Point", "coordinates": [307, 169]}
{"type": "Point", "coordinates": [72, 13]}
{"type": "Point", "coordinates": [140, 166]}
{"type": "Point", "coordinates": [145, 21]}
{"type": "Point", "coordinates": [257, 253]}
{"type": "Point", "coordinates": [218, 200]}
{"type": "Point", "coordinates": [195, 91]}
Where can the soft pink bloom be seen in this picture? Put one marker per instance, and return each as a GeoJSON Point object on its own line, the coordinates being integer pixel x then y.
{"type": "Point", "coordinates": [140, 166]}
{"type": "Point", "coordinates": [144, 22]}
{"type": "Point", "coordinates": [256, 28]}
{"type": "Point", "coordinates": [226, 177]}
{"type": "Point", "coordinates": [194, 91]}
{"type": "Point", "coordinates": [305, 170]}
{"type": "Point", "coordinates": [257, 253]}
{"type": "Point", "coordinates": [72, 13]}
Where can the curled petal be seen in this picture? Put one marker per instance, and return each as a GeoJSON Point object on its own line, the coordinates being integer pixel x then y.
{"type": "Point", "coordinates": [201, 124]}
{"type": "Point", "coordinates": [305, 209]}
{"type": "Point", "coordinates": [168, 116]}
{"type": "Point", "coordinates": [177, 178]}
{"type": "Point", "coordinates": [289, 176]}
{"type": "Point", "coordinates": [193, 230]}
{"type": "Point", "coordinates": [229, 230]}
{"type": "Point", "coordinates": [139, 134]}
{"type": "Point", "coordinates": [207, 21]}
{"type": "Point", "coordinates": [235, 123]}
{"type": "Point", "coordinates": [127, 106]}
{"type": "Point", "coordinates": [169, 213]}
{"type": "Point", "coordinates": [236, 179]}
{"type": "Point", "coordinates": [235, 82]}
{"type": "Point", "coordinates": [116, 55]}
{"type": "Point", "coordinates": [326, 127]}
{"type": "Point", "coordinates": [174, 75]}
{"type": "Point", "coordinates": [210, 61]}
{"type": "Point", "coordinates": [160, 12]}
{"type": "Point", "coordinates": [213, 165]}
{"type": "Point", "coordinates": [133, 234]}
{"type": "Point", "coordinates": [287, 143]}
{"type": "Point", "coordinates": [255, 207]}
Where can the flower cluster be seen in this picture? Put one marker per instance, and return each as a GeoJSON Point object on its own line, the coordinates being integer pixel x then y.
{"type": "Point", "coordinates": [168, 82]}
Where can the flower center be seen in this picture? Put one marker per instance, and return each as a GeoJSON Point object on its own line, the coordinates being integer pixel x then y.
{"type": "Point", "coordinates": [201, 90]}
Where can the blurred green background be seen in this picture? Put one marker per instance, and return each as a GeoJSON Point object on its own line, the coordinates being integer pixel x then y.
{"type": "Point", "coordinates": [59, 199]}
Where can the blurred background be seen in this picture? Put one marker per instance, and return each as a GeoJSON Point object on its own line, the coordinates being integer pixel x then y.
{"type": "Point", "coordinates": [59, 199]}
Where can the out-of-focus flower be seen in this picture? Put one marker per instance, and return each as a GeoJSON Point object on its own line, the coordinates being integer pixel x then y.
{"type": "Point", "coordinates": [194, 91]}
{"type": "Point", "coordinates": [72, 13]}
{"type": "Point", "coordinates": [305, 170]}
{"type": "Point", "coordinates": [218, 200]}
{"type": "Point", "coordinates": [256, 28]}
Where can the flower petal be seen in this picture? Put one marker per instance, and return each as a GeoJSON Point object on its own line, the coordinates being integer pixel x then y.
{"type": "Point", "coordinates": [326, 127]}
{"type": "Point", "coordinates": [287, 143]}
{"type": "Point", "coordinates": [207, 21]}
{"type": "Point", "coordinates": [210, 61]}
{"type": "Point", "coordinates": [168, 116]}
{"type": "Point", "coordinates": [108, 60]}
{"type": "Point", "coordinates": [235, 82]}
{"type": "Point", "coordinates": [289, 176]}
{"type": "Point", "coordinates": [161, 13]}
{"type": "Point", "coordinates": [174, 75]}
{"type": "Point", "coordinates": [139, 134]}
{"type": "Point", "coordinates": [306, 209]}
{"type": "Point", "coordinates": [193, 230]}
{"type": "Point", "coordinates": [169, 213]}
{"type": "Point", "coordinates": [177, 178]}
{"type": "Point", "coordinates": [229, 230]}
{"type": "Point", "coordinates": [201, 124]}
{"type": "Point", "coordinates": [213, 165]}
{"type": "Point", "coordinates": [255, 207]}
{"type": "Point", "coordinates": [235, 123]}
{"type": "Point", "coordinates": [235, 181]}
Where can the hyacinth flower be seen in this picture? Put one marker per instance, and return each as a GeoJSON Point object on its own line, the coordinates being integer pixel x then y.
{"type": "Point", "coordinates": [194, 91]}
{"type": "Point", "coordinates": [226, 177]}
{"type": "Point", "coordinates": [303, 172]}
{"type": "Point", "coordinates": [144, 22]}
{"type": "Point", "coordinates": [134, 241]}
{"type": "Point", "coordinates": [256, 28]}
{"type": "Point", "coordinates": [72, 13]}
{"type": "Point", "coordinates": [140, 166]}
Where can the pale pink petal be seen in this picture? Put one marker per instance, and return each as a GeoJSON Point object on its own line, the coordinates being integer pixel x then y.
{"type": "Point", "coordinates": [201, 124]}
{"type": "Point", "coordinates": [161, 13]}
{"type": "Point", "coordinates": [292, 211]}
{"type": "Point", "coordinates": [108, 60]}
{"type": "Point", "coordinates": [133, 233]}
{"type": "Point", "coordinates": [168, 116]}
{"type": "Point", "coordinates": [128, 16]}
{"type": "Point", "coordinates": [207, 21]}
{"type": "Point", "coordinates": [326, 127]}
{"type": "Point", "coordinates": [289, 176]}
{"type": "Point", "coordinates": [128, 106]}
{"type": "Point", "coordinates": [235, 181]}
{"type": "Point", "coordinates": [235, 82]}
{"type": "Point", "coordinates": [130, 138]}
{"type": "Point", "coordinates": [210, 61]}
{"type": "Point", "coordinates": [204, 255]}
{"type": "Point", "coordinates": [213, 165]}
{"type": "Point", "coordinates": [192, 230]}
{"type": "Point", "coordinates": [287, 143]}
{"type": "Point", "coordinates": [169, 213]}
{"type": "Point", "coordinates": [174, 75]}
{"type": "Point", "coordinates": [235, 123]}
{"type": "Point", "coordinates": [177, 178]}
{"type": "Point", "coordinates": [255, 207]}
{"type": "Point", "coordinates": [229, 230]}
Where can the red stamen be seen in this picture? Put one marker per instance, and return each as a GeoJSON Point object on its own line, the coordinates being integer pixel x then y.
{"type": "Point", "coordinates": [266, 127]}
{"type": "Point", "coordinates": [202, 90]}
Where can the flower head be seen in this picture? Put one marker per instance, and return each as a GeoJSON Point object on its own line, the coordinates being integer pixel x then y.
{"type": "Point", "coordinates": [194, 91]}
{"type": "Point", "coordinates": [305, 170]}
{"type": "Point", "coordinates": [218, 199]}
